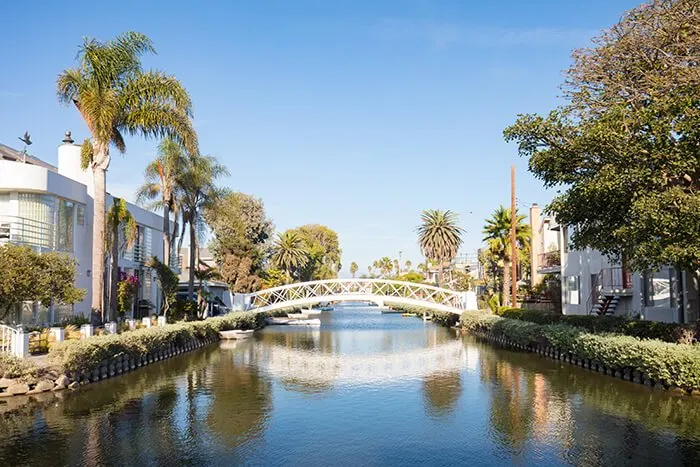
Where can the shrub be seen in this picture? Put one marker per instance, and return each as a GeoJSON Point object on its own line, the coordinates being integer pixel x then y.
{"type": "Point", "coordinates": [674, 364]}
{"type": "Point", "coordinates": [445, 318]}
{"type": "Point", "coordinates": [87, 354]}
{"type": "Point", "coordinates": [19, 368]}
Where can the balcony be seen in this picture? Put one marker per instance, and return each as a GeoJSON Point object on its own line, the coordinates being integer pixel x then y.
{"type": "Point", "coordinates": [24, 231]}
{"type": "Point", "coordinates": [137, 254]}
{"type": "Point", "coordinates": [615, 281]}
{"type": "Point", "coordinates": [549, 263]}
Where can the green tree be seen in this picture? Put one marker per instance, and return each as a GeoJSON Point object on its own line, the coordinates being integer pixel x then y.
{"type": "Point", "coordinates": [168, 282]}
{"type": "Point", "coordinates": [161, 189]}
{"type": "Point", "coordinates": [289, 253]}
{"type": "Point", "coordinates": [119, 220]}
{"type": "Point", "coordinates": [323, 252]}
{"type": "Point", "coordinates": [411, 276]}
{"type": "Point", "coordinates": [497, 235]}
{"type": "Point", "coordinates": [439, 237]}
{"type": "Point", "coordinates": [199, 192]}
{"type": "Point", "coordinates": [26, 276]}
{"type": "Point", "coordinates": [273, 278]}
{"type": "Point", "coordinates": [115, 96]}
{"type": "Point", "coordinates": [204, 275]}
{"type": "Point", "coordinates": [408, 265]}
{"type": "Point", "coordinates": [623, 148]}
{"type": "Point", "coordinates": [353, 269]}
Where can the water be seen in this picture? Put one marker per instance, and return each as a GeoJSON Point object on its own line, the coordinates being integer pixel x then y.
{"type": "Point", "coordinates": [364, 389]}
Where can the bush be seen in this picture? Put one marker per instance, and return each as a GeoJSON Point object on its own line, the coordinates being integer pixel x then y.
{"type": "Point", "coordinates": [88, 354]}
{"type": "Point", "coordinates": [18, 368]}
{"type": "Point", "coordinates": [445, 318]}
{"type": "Point", "coordinates": [673, 364]}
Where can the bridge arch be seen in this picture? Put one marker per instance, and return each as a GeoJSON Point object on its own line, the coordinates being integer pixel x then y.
{"type": "Point", "coordinates": [374, 290]}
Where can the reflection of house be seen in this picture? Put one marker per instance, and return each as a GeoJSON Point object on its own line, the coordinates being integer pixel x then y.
{"type": "Point", "coordinates": [50, 209]}
{"type": "Point", "coordinates": [592, 283]}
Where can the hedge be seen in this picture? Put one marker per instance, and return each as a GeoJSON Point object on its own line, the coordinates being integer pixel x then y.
{"type": "Point", "coordinates": [87, 354]}
{"type": "Point", "coordinates": [670, 364]}
{"type": "Point", "coordinates": [643, 329]}
{"type": "Point", "coordinates": [443, 318]}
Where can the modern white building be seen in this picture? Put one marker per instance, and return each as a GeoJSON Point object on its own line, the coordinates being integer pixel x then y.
{"type": "Point", "coordinates": [593, 284]}
{"type": "Point", "coordinates": [50, 208]}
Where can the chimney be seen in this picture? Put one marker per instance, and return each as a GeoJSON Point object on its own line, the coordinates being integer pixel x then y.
{"type": "Point", "coordinates": [68, 139]}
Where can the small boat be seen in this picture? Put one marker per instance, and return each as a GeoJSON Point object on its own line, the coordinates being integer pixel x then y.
{"type": "Point", "coordinates": [390, 311]}
{"type": "Point", "coordinates": [311, 312]}
{"type": "Point", "coordinates": [409, 315]}
{"type": "Point", "coordinates": [304, 322]}
{"type": "Point", "coordinates": [236, 334]}
{"type": "Point", "coordinates": [326, 308]}
{"type": "Point", "coordinates": [273, 321]}
{"type": "Point", "coordinates": [295, 315]}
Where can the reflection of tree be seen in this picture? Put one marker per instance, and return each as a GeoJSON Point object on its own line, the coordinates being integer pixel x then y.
{"type": "Point", "coordinates": [441, 392]}
{"type": "Point", "coordinates": [241, 400]}
{"type": "Point", "coordinates": [306, 386]}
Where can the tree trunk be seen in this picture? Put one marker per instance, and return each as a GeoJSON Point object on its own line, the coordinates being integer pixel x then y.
{"type": "Point", "coordinates": [506, 283]}
{"type": "Point", "coordinates": [166, 234]}
{"type": "Point", "coordinates": [98, 235]}
{"type": "Point", "coordinates": [193, 247]}
{"type": "Point", "coordinates": [113, 275]}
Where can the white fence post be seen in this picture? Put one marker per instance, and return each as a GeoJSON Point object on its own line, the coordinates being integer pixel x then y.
{"type": "Point", "coordinates": [59, 334]}
{"type": "Point", "coordinates": [146, 321]}
{"type": "Point", "coordinates": [162, 321]}
{"type": "Point", "coordinates": [20, 344]}
{"type": "Point", "coordinates": [111, 327]}
{"type": "Point", "coordinates": [86, 330]}
{"type": "Point", "coordinates": [131, 323]}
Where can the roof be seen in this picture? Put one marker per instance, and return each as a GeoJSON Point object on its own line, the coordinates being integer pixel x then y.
{"type": "Point", "coordinates": [9, 154]}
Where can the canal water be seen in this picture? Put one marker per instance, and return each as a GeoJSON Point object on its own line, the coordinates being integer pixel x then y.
{"type": "Point", "coordinates": [363, 389]}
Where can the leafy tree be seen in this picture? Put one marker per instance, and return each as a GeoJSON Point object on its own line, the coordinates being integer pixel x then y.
{"type": "Point", "coordinates": [168, 282]}
{"type": "Point", "coordinates": [290, 253]}
{"type": "Point", "coordinates": [407, 265]}
{"type": "Point", "coordinates": [624, 146]}
{"type": "Point", "coordinates": [323, 252]}
{"type": "Point", "coordinates": [199, 193]}
{"type": "Point", "coordinates": [385, 265]}
{"type": "Point", "coordinates": [397, 267]}
{"type": "Point", "coordinates": [497, 235]}
{"type": "Point", "coordinates": [119, 220]}
{"type": "Point", "coordinates": [235, 271]}
{"type": "Point", "coordinates": [162, 190]}
{"type": "Point", "coordinates": [26, 276]}
{"type": "Point", "coordinates": [273, 278]}
{"type": "Point", "coordinates": [115, 96]}
{"type": "Point", "coordinates": [203, 276]}
{"type": "Point", "coordinates": [353, 269]}
{"type": "Point", "coordinates": [463, 281]}
{"type": "Point", "coordinates": [439, 237]}
{"type": "Point", "coordinates": [411, 276]}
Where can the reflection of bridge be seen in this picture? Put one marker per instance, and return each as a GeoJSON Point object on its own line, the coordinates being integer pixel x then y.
{"type": "Point", "coordinates": [373, 290]}
{"type": "Point", "coordinates": [321, 367]}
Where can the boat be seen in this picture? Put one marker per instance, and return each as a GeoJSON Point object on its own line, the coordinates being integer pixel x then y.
{"type": "Point", "coordinates": [390, 310]}
{"type": "Point", "coordinates": [326, 308]}
{"type": "Point", "coordinates": [274, 321]}
{"type": "Point", "coordinates": [295, 315]}
{"type": "Point", "coordinates": [409, 315]}
{"type": "Point", "coordinates": [236, 334]}
{"type": "Point", "coordinates": [304, 322]}
{"type": "Point", "coordinates": [311, 312]}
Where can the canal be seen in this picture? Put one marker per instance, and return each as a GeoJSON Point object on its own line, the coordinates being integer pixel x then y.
{"type": "Point", "coordinates": [363, 389]}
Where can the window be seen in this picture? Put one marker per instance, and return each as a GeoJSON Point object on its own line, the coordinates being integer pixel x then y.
{"type": "Point", "coordinates": [36, 214]}
{"type": "Point", "coordinates": [660, 288]}
{"type": "Point", "coordinates": [573, 292]}
{"type": "Point", "coordinates": [64, 226]}
{"type": "Point", "coordinates": [80, 214]}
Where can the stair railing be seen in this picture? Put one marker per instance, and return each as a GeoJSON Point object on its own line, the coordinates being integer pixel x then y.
{"type": "Point", "coordinates": [595, 292]}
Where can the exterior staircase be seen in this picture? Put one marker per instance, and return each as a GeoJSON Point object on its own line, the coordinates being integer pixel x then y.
{"type": "Point", "coordinates": [605, 305]}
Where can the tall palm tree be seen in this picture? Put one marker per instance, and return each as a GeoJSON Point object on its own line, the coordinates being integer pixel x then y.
{"type": "Point", "coordinates": [439, 237]}
{"type": "Point", "coordinates": [118, 219]}
{"type": "Point", "coordinates": [161, 189]}
{"type": "Point", "coordinates": [115, 96]}
{"type": "Point", "coordinates": [397, 267]}
{"type": "Point", "coordinates": [196, 182]}
{"type": "Point", "coordinates": [289, 253]}
{"type": "Point", "coordinates": [497, 235]}
{"type": "Point", "coordinates": [353, 269]}
{"type": "Point", "coordinates": [408, 265]}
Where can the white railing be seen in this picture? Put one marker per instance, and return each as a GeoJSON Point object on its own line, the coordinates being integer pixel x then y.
{"type": "Point", "coordinates": [14, 341]}
{"type": "Point", "coordinates": [376, 290]}
{"type": "Point", "coordinates": [24, 231]}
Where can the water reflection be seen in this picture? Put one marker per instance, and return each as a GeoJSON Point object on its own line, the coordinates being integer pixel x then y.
{"type": "Point", "coordinates": [384, 389]}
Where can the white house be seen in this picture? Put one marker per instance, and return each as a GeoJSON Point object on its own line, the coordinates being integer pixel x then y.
{"type": "Point", "coordinates": [592, 284]}
{"type": "Point", "coordinates": [51, 208]}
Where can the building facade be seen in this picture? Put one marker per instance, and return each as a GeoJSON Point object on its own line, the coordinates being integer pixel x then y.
{"type": "Point", "coordinates": [50, 208]}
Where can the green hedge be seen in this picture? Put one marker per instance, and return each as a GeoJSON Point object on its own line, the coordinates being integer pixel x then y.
{"type": "Point", "coordinates": [87, 354]}
{"type": "Point", "coordinates": [672, 364]}
{"type": "Point", "coordinates": [667, 332]}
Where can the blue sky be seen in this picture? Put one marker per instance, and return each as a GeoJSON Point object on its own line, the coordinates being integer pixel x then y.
{"type": "Point", "coordinates": [353, 114]}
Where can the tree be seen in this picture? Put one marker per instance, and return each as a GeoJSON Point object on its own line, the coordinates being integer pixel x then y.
{"type": "Point", "coordinates": [240, 229]}
{"type": "Point", "coordinates": [385, 266]}
{"type": "Point", "coordinates": [168, 282]}
{"type": "Point", "coordinates": [115, 97]}
{"type": "Point", "coordinates": [161, 188]}
{"type": "Point", "coordinates": [439, 237]}
{"type": "Point", "coordinates": [497, 235]}
{"type": "Point", "coordinates": [27, 276]}
{"type": "Point", "coordinates": [199, 193]}
{"type": "Point", "coordinates": [624, 146]}
{"type": "Point", "coordinates": [411, 276]}
{"type": "Point", "coordinates": [119, 220]}
{"type": "Point", "coordinates": [290, 253]}
{"type": "Point", "coordinates": [203, 276]}
{"type": "Point", "coordinates": [353, 269]}
{"type": "Point", "coordinates": [273, 278]}
{"type": "Point", "coordinates": [397, 267]}
{"type": "Point", "coordinates": [407, 265]}
{"type": "Point", "coordinates": [323, 252]}
{"type": "Point", "coordinates": [235, 271]}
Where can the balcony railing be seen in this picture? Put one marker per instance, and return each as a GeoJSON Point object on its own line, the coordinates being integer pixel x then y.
{"type": "Point", "coordinates": [24, 231]}
{"type": "Point", "coordinates": [137, 254]}
{"type": "Point", "coordinates": [615, 280]}
{"type": "Point", "coordinates": [549, 261]}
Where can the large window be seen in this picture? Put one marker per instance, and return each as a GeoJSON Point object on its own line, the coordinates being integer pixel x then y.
{"type": "Point", "coordinates": [36, 224]}
{"type": "Point", "coordinates": [660, 288]}
{"type": "Point", "coordinates": [64, 226]}
{"type": "Point", "coordinates": [573, 290]}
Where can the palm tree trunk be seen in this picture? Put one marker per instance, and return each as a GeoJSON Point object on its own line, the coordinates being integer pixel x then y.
{"type": "Point", "coordinates": [98, 236]}
{"type": "Point", "coordinates": [193, 247]}
{"type": "Point", "coordinates": [166, 234]}
{"type": "Point", "coordinates": [506, 283]}
{"type": "Point", "coordinates": [113, 274]}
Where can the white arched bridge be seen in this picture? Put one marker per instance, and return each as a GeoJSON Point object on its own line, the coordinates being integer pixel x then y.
{"type": "Point", "coordinates": [379, 291]}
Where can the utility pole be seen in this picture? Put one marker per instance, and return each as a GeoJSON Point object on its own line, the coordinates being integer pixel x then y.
{"type": "Point", "coordinates": [513, 248]}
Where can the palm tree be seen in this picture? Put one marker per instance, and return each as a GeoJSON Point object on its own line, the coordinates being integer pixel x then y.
{"type": "Point", "coordinates": [439, 237]}
{"type": "Point", "coordinates": [397, 267]}
{"type": "Point", "coordinates": [161, 188]}
{"type": "Point", "coordinates": [385, 266]}
{"type": "Point", "coordinates": [115, 96]}
{"type": "Point", "coordinates": [353, 269]}
{"type": "Point", "coordinates": [118, 218]}
{"type": "Point", "coordinates": [198, 192]}
{"type": "Point", "coordinates": [497, 235]}
{"type": "Point", "coordinates": [408, 265]}
{"type": "Point", "coordinates": [204, 275]}
{"type": "Point", "coordinates": [289, 253]}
